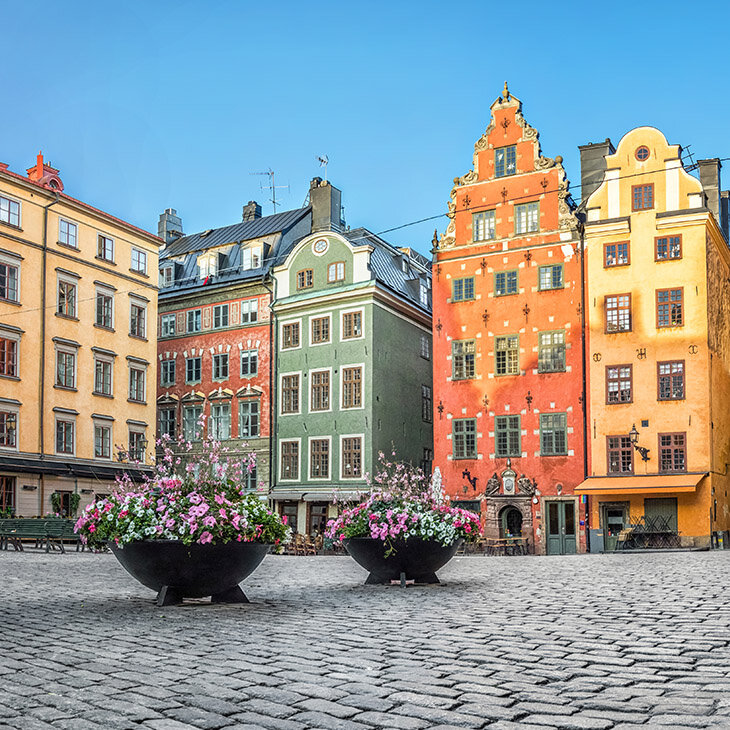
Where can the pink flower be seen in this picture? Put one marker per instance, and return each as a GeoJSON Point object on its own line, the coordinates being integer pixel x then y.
{"type": "Point", "coordinates": [205, 538]}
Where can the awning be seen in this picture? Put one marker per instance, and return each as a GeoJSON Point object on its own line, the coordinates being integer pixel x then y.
{"type": "Point", "coordinates": [331, 495]}
{"type": "Point", "coordinates": [637, 484]}
{"type": "Point", "coordinates": [276, 494]}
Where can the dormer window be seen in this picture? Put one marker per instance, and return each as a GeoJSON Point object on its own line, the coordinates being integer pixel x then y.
{"type": "Point", "coordinates": [251, 258]}
{"type": "Point", "coordinates": [208, 265]}
{"type": "Point", "coordinates": [423, 291]}
{"type": "Point", "coordinates": [167, 275]}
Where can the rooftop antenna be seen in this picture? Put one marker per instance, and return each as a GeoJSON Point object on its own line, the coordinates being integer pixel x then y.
{"type": "Point", "coordinates": [688, 161]}
{"type": "Point", "coordinates": [271, 186]}
{"type": "Point", "coordinates": [323, 160]}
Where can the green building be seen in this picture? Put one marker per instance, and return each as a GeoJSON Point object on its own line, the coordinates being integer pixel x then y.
{"type": "Point", "coordinates": [353, 364]}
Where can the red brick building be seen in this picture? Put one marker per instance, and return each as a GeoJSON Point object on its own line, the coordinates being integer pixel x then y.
{"type": "Point", "coordinates": [508, 384]}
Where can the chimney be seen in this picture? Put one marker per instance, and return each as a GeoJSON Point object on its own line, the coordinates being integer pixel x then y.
{"type": "Point", "coordinates": [326, 202]}
{"type": "Point", "coordinates": [724, 212]}
{"type": "Point", "coordinates": [593, 166]}
{"type": "Point", "coordinates": [710, 179]}
{"type": "Point", "coordinates": [45, 174]}
{"type": "Point", "coordinates": [169, 227]}
{"type": "Point", "coordinates": [251, 211]}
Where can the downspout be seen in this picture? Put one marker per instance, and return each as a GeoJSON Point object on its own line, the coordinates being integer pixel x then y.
{"type": "Point", "coordinates": [272, 379]}
{"type": "Point", "coordinates": [584, 392]}
{"type": "Point", "coordinates": [42, 363]}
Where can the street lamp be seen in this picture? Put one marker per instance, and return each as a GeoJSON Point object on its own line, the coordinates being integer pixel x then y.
{"type": "Point", "coordinates": [634, 436]}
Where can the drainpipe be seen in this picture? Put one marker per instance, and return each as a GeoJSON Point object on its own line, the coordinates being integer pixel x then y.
{"type": "Point", "coordinates": [42, 363]}
{"type": "Point", "coordinates": [272, 378]}
{"type": "Point", "coordinates": [584, 392]}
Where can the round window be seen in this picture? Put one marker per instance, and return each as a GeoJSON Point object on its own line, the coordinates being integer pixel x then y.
{"type": "Point", "coordinates": [642, 153]}
{"type": "Point", "coordinates": [320, 246]}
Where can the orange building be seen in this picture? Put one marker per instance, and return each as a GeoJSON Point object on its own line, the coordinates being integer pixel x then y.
{"type": "Point", "coordinates": [508, 434]}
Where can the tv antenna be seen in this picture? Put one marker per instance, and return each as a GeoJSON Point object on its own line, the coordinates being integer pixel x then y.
{"type": "Point", "coordinates": [272, 186]}
{"type": "Point", "coordinates": [323, 161]}
{"type": "Point", "coordinates": [688, 160]}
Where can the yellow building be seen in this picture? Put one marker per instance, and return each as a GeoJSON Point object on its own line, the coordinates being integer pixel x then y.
{"type": "Point", "coordinates": [78, 340]}
{"type": "Point", "coordinates": [657, 269]}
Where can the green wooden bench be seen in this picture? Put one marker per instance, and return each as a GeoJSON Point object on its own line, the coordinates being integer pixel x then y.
{"type": "Point", "coordinates": [49, 533]}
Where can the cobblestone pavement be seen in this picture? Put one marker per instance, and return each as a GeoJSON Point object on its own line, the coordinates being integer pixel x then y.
{"type": "Point", "coordinates": [622, 642]}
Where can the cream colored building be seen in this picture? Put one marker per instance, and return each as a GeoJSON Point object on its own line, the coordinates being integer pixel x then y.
{"type": "Point", "coordinates": [78, 341]}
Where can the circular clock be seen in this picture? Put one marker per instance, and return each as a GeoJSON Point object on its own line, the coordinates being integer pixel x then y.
{"type": "Point", "coordinates": [321, 245]}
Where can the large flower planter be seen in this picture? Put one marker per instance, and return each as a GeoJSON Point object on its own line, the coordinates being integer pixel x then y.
{"type": "Point", "coordinates": [178, 571]}
{"type": "Point", "coordinates": [413, 559]}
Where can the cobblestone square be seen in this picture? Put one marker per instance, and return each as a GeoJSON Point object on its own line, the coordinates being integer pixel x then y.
{"type": "Point", "coordinates": [591, 641]}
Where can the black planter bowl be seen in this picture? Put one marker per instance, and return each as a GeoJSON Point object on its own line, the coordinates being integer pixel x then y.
{"type": "Point", "coordinates": [180, 571]}
{"type": "Point", "coordinates": [413, 559]}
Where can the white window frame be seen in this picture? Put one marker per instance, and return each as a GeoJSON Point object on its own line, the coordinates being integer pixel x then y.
{"type": "Point", "coordinates": [15, 262]}
{"type": "Point", "coordinates": [14, 336]}
{"type": "Point", "coordinates": [138, 367]}
{"type": "Point", "coordinates": [70, 224]}
{"type": "Point", "coordinates": [103, 292]}
{"type": "Point", "coordinates": [360, 365]}
{"type": "Point", "coordinates": [199, 319]}
{"type": "Point", "coordinates": [17, 202]}
{"type": "Point", "coordinates": [99, 236]}
{"type": "Point", "coordinates": [310, 478]}
{"type": "Point", "coordinates": [66, 350]}
{"type": "Point", "coordinates": [251, 257]}
{"type": "Point", "coordinates": [219, 355]}
{"type": "Point", "coordinates": [165, 320]}
{"type": "Point", "coordinates": [241, 403]}
{"type": "Point", "coordinates": [240, 362]}
{"type": "Point", "coordinates": [140, 430]}
{"type": "Point", "coordinates": [212, 420]}
{"type": "Point", "coordinates": [361, 436]}
{"type": "Point", "coordinates": [66, 418]}
{"type": "Point", "coordinates": [221, 308]}
{"type": "Point", "coordinates": [142, 256]}
{"type": "Point", "coordinates": [198, 432]}
{"type": "Point", "coordinates": [134, 302]}
{"type": "Point", "coordinates": [99, 423]}
{"type": "Point", "coordinates": [167, 275]}
{"type": "Point", "coordinates": [425, 347]}
{"type": "Point", "coordinates": [344, 312]}
{"type": "Point", "coordinates": [14, 410]}
{"type": "Point", "coordinates": [108, 359]}
{"type": "Point", "coordinates": [73, 281]}
{"type": "Point", "coordinates": [248, 307]}
{"type": "Point", "coordinates": [282, 478]}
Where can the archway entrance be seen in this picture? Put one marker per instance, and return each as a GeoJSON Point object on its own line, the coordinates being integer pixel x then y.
{"type": "Point", "coordinates": [510, 522]}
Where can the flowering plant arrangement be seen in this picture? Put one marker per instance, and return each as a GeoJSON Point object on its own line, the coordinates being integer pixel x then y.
{"type": "Point", "coordinates": [201, 498]}
{"type": "Point", "coordinates": [400, 506]}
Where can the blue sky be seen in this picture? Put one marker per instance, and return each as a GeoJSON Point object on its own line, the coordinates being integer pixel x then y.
{"type": "Point", "coordinates": [145, 106]}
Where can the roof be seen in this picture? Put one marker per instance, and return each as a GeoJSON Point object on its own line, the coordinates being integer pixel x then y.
{"type": "Point", "coordinates": [244, 231]}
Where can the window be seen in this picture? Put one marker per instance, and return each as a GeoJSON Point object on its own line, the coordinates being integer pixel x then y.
{"type": "Point", "coordinates": [423, 294]}
{"type": "Point", "coordinates": [220, 366]}
{"type": "Point", "coordinates": [7, 494]}
{"type": "Point", "coordinates": [193, 320]}
{"type": "Point", "coordinates": [672, 452]}
{"type": "Point", "coordinates": [352, 457]}
{"type": "Point", "coordinates": [66, 298]}
{"type": "Point", "coordinates": [642, 197]}
{"type": "Point", "coordinates": [65, 436]}
{"type": "Point", "coordinates": [618, 313]}
{"type": "Point", "coordinates": [670, 380]}
{"type": "Point", "coordinates": [290, 394]}
{"type": "Point", "coordinates": [193, 370]}
{"type": "Point", "coordinates": [551, 352]}
{"type": "Point", "coordinates": [527, 218]}
{"type": "Point", "coordinates": [167, 325]}
{"type": "Point", "coordinates": [137, 315]}
{"type": "Point", "coordinates": [462, 289]}
{"type": "Point", "coordinates": [320, 330]}
{"type": "Point", "coordinates": [137, 444]}
{"type": "Point", "coordinates": [248, 418]}
{"type": "Point", "coordinates": [619, 384]}
{"type": "Point", "coordinates": [139, 261]}
{"type": "Point", "coordinates": [68, 233]}
{"type": "Point", "coordinates": [336, 272]}
{"type": "Point", "coordinates": [220, 316]}
{"type": "Point", "coordinates": [65, 369]}
{"type": "Point", "coordinates": [220, 421]}
{"type": "Point", "coordinates": [102, 376]}
{"type": "Point", "coordinates": [319, 459]}
{"type": "Point", "coordinates": [290, 460]}
{"type": "Point", "coordinates": [508, 441]}
{"type": "Point", "coordinates": [102, 441]}
{"type": "Point", "coordinates": [620, 453]}
{"type": "Point", "coordinates": [464, 438]}
{"type": "Point", "coordinates": [615, 254]}
{"type": "Point", "coordinates": [507, 355]}
{"type": "Point", "coordinates": [505, 282]}
{"type": "Point", "coordinates": [550, 277]}
{"type": "Point", "coordinates": [483, 225]}
{"type": "Point", "coordinates": [167, 275]}
{"type": "Point", "coordinates": [320, 391]}
{"type": "Point", "coordinates": [351, 387]}
{"type": "Point", "coordinates": [642, 153]}
{"type": "Point", "coordinates": [168, 427]}
{"type": "Point", "coordinates": [290, 335]}
{"type": "Point", "coordinates": [351, 325]}
{"type": "Point", "coordinates": [9, 212]}
{"type": "Point", "coordinates": [463, 354]}
{"type": "Point", "coordinates": [207, 266]}
{"type": "Point", "coordinates": [427, 463]}
{"type": "Point", "coordinates": [105, 248]}
{"type": "Point", "coordinates": [425, 347]}
{"type": "Point", "coordinates": [505, 161]}
{"type": "Point", "coordinates": [104, 309]}
{"type": "Point", "coordinates": [667, 248]}
{"type": "Point", "coordinates": [251, 480]}
{"type": "Point", "coordinates": [249, 363]}
{"type": "Point", "coordinates": [8, 357]}
{"type": "Point", "coordinates": [305, 279]}
{"type": "Point", "coordinates": [167, 373]}
{"type": "Point", "coordinates": [251, 258]}
{"type": "Point", "coordinates": [192, 416]}
{"type": "Point", "coordinates": [249, 311]}
{"type": "Point", "coordinates": [553, 434]}
{"type": "Point", "coordinates": [426, 404]}
{"type": "Point", "coordinates": [8, 282]}
{"type": "Point", "coordinates": [8, 429]}
{"type": "Point", "coordinates": [137, 384]}
{"type": "Point", "coordinates": [669, 307]}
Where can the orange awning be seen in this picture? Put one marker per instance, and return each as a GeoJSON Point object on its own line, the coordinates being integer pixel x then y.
{"type": "Point", "coordinates": [636, 484]}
